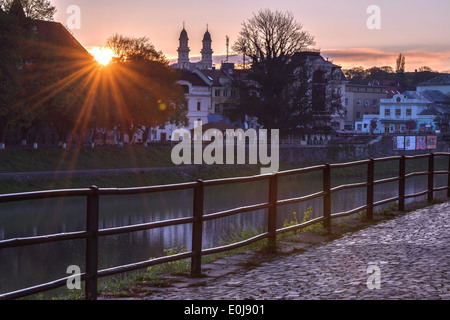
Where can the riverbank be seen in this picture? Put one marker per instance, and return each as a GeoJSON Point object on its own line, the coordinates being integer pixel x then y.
{"type": "Point", "coordinates": [117, 178]}
{"type": "Point", "coordinates": [26, 169]}
{"type": "Point", "coordinates": [20, 159]}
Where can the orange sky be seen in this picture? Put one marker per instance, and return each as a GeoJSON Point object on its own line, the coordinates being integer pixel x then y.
{"type": "Point", "coordinates": [416, 28]}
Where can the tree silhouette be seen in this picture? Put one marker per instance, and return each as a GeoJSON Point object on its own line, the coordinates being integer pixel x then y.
{"type": "Point", "coordinates": [278, 91]}
{"type": "Point", "coordinates": [34, 9]}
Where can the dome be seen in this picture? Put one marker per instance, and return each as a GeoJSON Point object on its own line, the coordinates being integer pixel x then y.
{"type": "Point", "coordinates": [207, 36]}
{"type": "Point", "coordinates": [183, 35]}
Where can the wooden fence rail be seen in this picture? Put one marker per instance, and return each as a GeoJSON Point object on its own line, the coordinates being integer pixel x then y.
{"type": "Point", "coordinates": [93, 233]}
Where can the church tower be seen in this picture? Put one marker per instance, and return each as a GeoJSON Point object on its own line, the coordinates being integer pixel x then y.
{"type": "Point", "coordinates": [183, 50]}
{"type": "Point", "coordinates": [207, 51]}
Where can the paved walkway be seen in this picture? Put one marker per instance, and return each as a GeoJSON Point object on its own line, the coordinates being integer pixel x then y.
{"type": "Point", "coordinates": [409, 256]}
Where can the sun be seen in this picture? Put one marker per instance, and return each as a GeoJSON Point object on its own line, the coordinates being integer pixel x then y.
{"type": "Point", "coordinates": [102, 55]}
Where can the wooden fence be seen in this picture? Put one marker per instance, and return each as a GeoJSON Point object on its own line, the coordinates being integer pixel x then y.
{"type": "Point", "coordinates": [93, 233]}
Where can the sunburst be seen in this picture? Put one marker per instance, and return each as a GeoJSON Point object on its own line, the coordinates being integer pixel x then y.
{"type": "Point", "coordinates": [102, 55]}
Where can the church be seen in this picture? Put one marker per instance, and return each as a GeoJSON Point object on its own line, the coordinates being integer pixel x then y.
{"type": "Point", "coordinates": [184, 62]}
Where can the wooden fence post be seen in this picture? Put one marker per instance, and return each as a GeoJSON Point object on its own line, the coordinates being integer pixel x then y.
{"type": "Point", "coordinates": [327, 197]}
{"type": "Point", "coordinates": [370, 180]}
{"type": "Point", "coordinates": [402, 184]}
{"type": "Point", "coordinates": [448, 178]}
{"type": "Point", "coordinates": [197, 230]}
{"type": "Point", "coordinates": [272, 220]}
{"type": "Point", "coordinates": [430, 177]}
{"type": "Point", "coordinates": [93, 201]}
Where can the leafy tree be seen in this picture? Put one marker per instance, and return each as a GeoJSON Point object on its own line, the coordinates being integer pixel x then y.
{"type": "Point", "coordinates": [356, 74]}
{"type": "Point", "coordinates": [34, 9]}
{"type": "Point", "coordinates": [10, 59]}
{"type": "Point", "coordinates": [131, 49]}
{"type": "Point", "coordinates": [400, 64]}
{"type": "Point", "coordinates": [426, 69]}
{"type": "Point", "coordinates": [411, 125]}
{"type": "Point", "coordinates": [140, 88]}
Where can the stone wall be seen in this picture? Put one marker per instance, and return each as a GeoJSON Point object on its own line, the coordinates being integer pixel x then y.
{"type": "Point", "coordinates": [380, 146]}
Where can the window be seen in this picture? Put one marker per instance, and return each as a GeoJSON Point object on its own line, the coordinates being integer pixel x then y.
{"type": "Point", "coordinates": [366, 103]}
{"type": "Point", "coordinates": [387, 112]}
{"type": "Point", "coordinates": [346, 101]}
{"type": "Point", "coordinates": [374, 102]}
{"type": "Point", "coordinates": [358, 102]}
{"type": "Point", "coordinates": [358, 115]}
{"type": "Point", "coordinates": [217, 93]}
{"type": "Point", "coordinates": [199, 106]}
{"type": "Point", "coordinates": [398, 112]}
{"type": "Point", "coordinates": [408, 112]}
{"type": "Point", "coordinates": [359, 126]}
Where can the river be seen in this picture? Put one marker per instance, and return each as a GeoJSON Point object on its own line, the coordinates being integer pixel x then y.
{"type": "Point", "coordinates": [32, 265]}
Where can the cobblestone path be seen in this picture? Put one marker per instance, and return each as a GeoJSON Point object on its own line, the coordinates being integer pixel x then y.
{"type": "Point", "coordinates": [411, 253]}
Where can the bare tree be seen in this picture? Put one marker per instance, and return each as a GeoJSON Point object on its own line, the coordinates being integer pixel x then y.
{"type": "Point", "coordinates": [270, 35]}
{"type": "Point", "coordinates": [278, 90]}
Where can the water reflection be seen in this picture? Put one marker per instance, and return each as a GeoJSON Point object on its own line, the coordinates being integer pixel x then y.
{"type": "Point", "coordinates": [22, 267]}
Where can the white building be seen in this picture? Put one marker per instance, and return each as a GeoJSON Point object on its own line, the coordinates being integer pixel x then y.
{"type": "Point", "coordinates": [398, 114]}
{"type": "Point", "coordinates": [198, 95]}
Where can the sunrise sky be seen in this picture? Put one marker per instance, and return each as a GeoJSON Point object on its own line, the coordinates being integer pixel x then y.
{"type": "Point", "coordinates": [417, 28]}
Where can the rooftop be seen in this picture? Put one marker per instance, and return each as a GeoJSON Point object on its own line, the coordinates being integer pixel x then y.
{"type": "Point", "coordinates": [193, 78]}
{"type": "Point", "coordinates": [432, 96]}
{"type": "Point", "coordinates": [437, 81]}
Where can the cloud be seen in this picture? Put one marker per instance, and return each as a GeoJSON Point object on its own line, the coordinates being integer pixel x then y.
{"type": "Point", "coordinates": [369, 57]}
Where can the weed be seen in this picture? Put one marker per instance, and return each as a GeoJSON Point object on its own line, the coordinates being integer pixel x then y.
{"type": "Point", "coordinates": [317, 227]}
{"type": "Point", "coordinates": [173, 267]}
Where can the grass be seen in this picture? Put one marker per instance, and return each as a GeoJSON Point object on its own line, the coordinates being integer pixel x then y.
{"type": "Point", "coordinates": [58, 159]}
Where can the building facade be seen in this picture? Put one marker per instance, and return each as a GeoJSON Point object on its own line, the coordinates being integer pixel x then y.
{"type": "Point", "coordinates": [198, 95]}
{"type": "Point", "coordinates": [327, 84]}
{"type": "Point", "coordinates": [362, 100]}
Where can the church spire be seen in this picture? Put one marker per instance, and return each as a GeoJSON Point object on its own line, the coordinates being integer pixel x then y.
{"type": "Point", "coordinates": [207, 51]}
{"type": "Point", "coordinates": [183, 49]}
